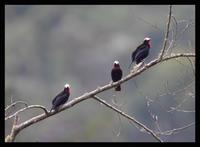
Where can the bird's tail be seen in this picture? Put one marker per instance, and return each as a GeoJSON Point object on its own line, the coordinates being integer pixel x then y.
{"type": "Point", "coordinates": [118, 88]}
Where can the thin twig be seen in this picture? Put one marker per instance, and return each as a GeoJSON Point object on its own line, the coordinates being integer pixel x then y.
{"type": "Point", "coordinates": [178, 36]}
{"type": "Point", "coordinates": [174, 131]}
{"type": "Point", "coordinates": [176, 27]}
{"type": "Point", "coordinates": [192, 66]}
{"type": "Point", "coordinates": [179, 62]}
{"type": "Point", "coordinates": [185, 111]}
{"type": "Point", "coordinates": [166, 34]}
{"type": "Point", "coordinates": [173, 40]}
{"type": "Point", "coordinates": [128, 117]}
{"type": "Point", "coordinates": [14, 103]}
{"type": "Point", "coordinates": [170, 46]}
{"type": "Point", "coordinates": [29, 107]}
{"type": "Point", "coordinates": [185, 29]}
{"type": "Point", "coordinates": [152, 99]}
{"type": "Point", "coordinates": [178, 106]}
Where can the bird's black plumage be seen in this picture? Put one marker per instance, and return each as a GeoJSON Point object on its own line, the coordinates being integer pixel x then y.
{"type": "Point", "coordinates": [141, 52]}
{"type": "Point", "coordinates": [116, 74]}
{"type": "Point", "coordinates": [60, 99]}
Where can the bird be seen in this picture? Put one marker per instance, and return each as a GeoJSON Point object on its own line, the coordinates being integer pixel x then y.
{"type": "Point", "coordinates": [141, 52]}
{"type": "Point", "coordinates": [116, 74]}
{"type": "Point", "coordinates": [61, 98]}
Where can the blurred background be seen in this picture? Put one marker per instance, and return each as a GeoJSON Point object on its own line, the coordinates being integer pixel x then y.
{"type": "Point", "coordinates": [47, 46]}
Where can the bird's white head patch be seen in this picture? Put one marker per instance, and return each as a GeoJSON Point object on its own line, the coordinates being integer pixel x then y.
{"type": "Point", "coordinates": [67, 85]}
{"type": "Point", "coordinates": [147, 39]}
{"type": "Point", "coordinates": [116, 62]}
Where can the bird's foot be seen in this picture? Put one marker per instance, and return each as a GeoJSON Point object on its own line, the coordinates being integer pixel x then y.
{"type": "Point", "coordinates": [136, 67]}
{"type": "Point", "coordinates": [133, 69]}
{"type": "Point", "coordinates": [141, 64]}
{"type": "Point", "coordinates": [145, 64]}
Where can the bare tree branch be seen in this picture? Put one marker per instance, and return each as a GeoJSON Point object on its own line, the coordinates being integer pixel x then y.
{"type": "Point", "coordinates": [176, 36]}
{"type": "Point", "coordinates": [14, 103]}
{"type": "Point", "coordinates": [183, 31]}
{"type": "Point", "coordinates": [174, 131]}
{"type": "Point", "coordinates": [176, 27]}
{"type": "Point", "coordinates": [179, 105]}
{"type": "Point", "coordinates": [85, 96]}
{"type": "Point", "coordinates": [29, 107]}
{"type": "Point", "coordinates": [128, 117]}
{"type": "Point", "coordinates": [173, 36]}
{"type": "Point", "coordinates": [168, 93]}
{"type": "Point", "coordinates": [192, 66]}
{"type": "Point", "coordinates": [185, 111]}
{"type": "Point", "coordinates": [166, 34]}
{"type": "Point", "coordinates": [14, 132]}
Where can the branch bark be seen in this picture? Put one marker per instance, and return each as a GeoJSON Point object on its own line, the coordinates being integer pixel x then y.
{"type": "Point", "coordinates": [17, 102]}
{"type": "Point", "coordinates": [166, 34]}
{"type": "Point", "coordinates": [13, 104]}
{"type": "Point", "coordinates": [26, 108]}
{"type": "Point", "coordinates": [128, 117]}
{"type": "Point", "coordinates": [91, 94]}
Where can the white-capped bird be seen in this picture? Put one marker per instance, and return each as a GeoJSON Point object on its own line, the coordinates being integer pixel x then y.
{"type": "Point", "coordinates": [141, 52]}
{"type": "Point", "coordinates": [116, 74]}
{"type": "Point", "coordinates": [61, 98]}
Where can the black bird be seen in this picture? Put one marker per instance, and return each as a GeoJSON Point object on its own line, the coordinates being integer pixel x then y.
{"type": "Point", "coordinates": [116, 74]}
{"type": "Point", "coordinates": [141, 52]}
{"type": "Point", "coordinates": [61, 98]}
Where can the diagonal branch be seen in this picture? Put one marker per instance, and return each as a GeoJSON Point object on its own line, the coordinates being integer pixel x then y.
{"type": "Point", "coordinates": [128, 117]}
{"type": "Point", "coordinates": [98, 90]}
